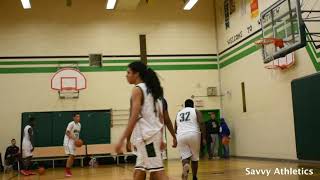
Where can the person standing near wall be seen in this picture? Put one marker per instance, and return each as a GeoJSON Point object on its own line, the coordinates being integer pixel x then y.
{"type": "Point", "coordinates": [225, 137]}
{"type": "Point", "coordinates": [212, 129]}
{"type": "Point", "coordinates": [27, 147]}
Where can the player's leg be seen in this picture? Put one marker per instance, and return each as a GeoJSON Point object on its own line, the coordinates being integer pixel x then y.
{"type": "Point", "coordinates": [158, 175]}
{"type": "Point", "coordinates": [70, 161]}
{"type": "Point", "coordinates": [70, 151]}
{"type": "Point", "coordinates": [185, 168]}
{"type": "Point", "coordinates": [69, 164]}
{"type": "Point", "coordinates": [29, 163]}
{"type": "Point", "coordinates": [154, 162]}
{"type": "Point", "coordinates": [26, 166]}
{"type": "Point", "coordinates": [194, 144]}
{"type": "Point", "coordinates": [226, 150]}
{"type": "Point", "coordinates": [26, 161]}
{"type": "Point", "coordinates": [215, 145]}
{"type": "Point", "coordinates": [140, 171]}
{"type": "Point", "coordinates": [139, 175]}
{"type": "Point", "coordinates": [185, 153]}
{"type": "Point", "coordinates": [194, 166]}
{"type": "Point", "coordinates": [209, 146]}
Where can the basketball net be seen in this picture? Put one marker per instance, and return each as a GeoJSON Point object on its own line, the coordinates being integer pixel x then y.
{"type": "Point", "coordinates": [68, 93]}
{"type": "Point", "coordinates": [269, 46]}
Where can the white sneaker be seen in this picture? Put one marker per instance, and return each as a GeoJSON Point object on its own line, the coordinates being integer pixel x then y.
{"type": "Point", "coordinates": [216, 157]}
{"type": "Point", "coordinates": [185, 172]}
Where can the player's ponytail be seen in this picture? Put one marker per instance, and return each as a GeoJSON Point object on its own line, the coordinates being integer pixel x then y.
{"type": "Point", "coordinates": [149, 77]}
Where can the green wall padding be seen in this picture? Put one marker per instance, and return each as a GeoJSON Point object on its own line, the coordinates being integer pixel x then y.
{"type": "Point", "coordinates": [306, 98]}
{"type": "Point", "coordinates": [51, 126]}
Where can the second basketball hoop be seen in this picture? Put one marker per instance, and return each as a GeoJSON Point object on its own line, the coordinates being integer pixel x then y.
{"type": "Point", "coordinates": [68, 82]}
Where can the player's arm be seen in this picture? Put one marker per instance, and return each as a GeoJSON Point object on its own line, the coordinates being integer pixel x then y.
{"type": "Point", "coordinates": [135, 110]}
{"type": "Point", "coordinates": [202, 128]}
{"type": "Point", "coordinates": [161, 117]}
{"type": "Point", "coordinates": [175, 127]}
{"type": "Point", "coordinates": [128, 145]}
{"type": "Point", "coordinates": [30, 132]}
{"type": "Point", "coordinates": [7, 154]}
{"type": "Point", "coordinates": [69, 133]}
{"type": "Point", "coordinates": [168, 123]}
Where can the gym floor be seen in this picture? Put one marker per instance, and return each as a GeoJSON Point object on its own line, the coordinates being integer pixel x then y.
{"type": "Point", "coordinates": [234, 168]}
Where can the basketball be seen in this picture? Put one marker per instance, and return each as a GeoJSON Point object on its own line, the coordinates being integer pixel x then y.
{"type": "Point", "coordinates": [225, 140]}
{"type": "Point", "coordinates": [41, 170]}
{"type": "Point", "coordinates": [79, 143]}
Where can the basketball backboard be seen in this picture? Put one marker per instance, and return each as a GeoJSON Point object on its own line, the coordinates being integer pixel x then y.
{"type": "Point", "coordinates": [310, 10]}
{"type": "Point", "coordinates": [68, 82]}
{"type": "Point", "coordinates": [282, 20]}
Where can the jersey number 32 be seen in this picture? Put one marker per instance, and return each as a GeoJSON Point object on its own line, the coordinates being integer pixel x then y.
{"type": "Point", "coordinates": [184, 116]}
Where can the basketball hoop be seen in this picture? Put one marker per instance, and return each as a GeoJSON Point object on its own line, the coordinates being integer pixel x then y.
{"type": "Point", "coordinates": [68, 82]}
{"type": "Point", "coordinates": [282, 63]}
{"type": "Point", "coordinates": [269, 46]}
{"type": "Point", "coordinates": [68, 94]}
{"type": "Point", "coordinates": [266, 41]}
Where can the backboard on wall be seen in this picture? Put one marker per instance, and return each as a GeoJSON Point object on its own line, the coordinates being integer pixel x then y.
{"type": "Point", "coordinates": [282, 23]}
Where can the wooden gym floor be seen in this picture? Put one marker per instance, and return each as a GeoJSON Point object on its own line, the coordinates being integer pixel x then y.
{"type": "Point", "coordinates": [208, 170]}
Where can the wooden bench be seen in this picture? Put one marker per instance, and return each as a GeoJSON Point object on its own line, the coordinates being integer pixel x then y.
{"type": "Point", "coordinates": [105, 150]}
{"type": "Point", "coordinates": [56, 153]}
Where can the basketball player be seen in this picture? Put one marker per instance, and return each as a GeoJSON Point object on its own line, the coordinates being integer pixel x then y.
{"type": "Point", "coordinates": [72, 134]}
{"type": "Point", "coordinates": [145, 121]}
{"type": "Point", "coordinates": [167, 122]}
{"type": "Point", "coordinates": [187, 126]}
{"type": "Point", "coordinates": [27, 147]}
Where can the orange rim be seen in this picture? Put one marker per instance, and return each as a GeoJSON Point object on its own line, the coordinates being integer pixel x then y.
{"type": "Point", "coordinates": [277, 42]}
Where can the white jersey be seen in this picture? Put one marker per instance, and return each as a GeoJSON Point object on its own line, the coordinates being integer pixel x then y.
{"type": "Point", "coordinates": [187, 121]}
{"type": "Point", "coordinates": [26, 143]}
{"type": "Point", "coordinates": [74, 128]}
{"type": "Point", "coordinates": [149, 123]}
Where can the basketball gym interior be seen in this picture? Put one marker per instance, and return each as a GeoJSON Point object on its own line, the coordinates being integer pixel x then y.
{"type": "Point", "coordinates": [214, 52]}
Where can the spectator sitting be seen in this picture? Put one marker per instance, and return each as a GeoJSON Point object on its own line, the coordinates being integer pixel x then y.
{"type": "Point", "coordinates": [12, 154]}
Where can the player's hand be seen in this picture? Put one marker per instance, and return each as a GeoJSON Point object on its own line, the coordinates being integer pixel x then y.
{"type": "Point", "coordinates": [162, 146]}
{"type": "Point", "coordinates": [128, 146]}
{"type": "Point", "coordinates": [119, 147]}
{"type": "Point", "coordinates": [175, 143]}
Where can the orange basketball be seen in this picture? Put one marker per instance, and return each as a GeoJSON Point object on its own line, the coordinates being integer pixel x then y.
{"type": "Point", "coordinates": [225, 140]}
{"type": "Point", "coordinates": [78, 143]}
{"type": "Point", "coordinates": [41, 170]}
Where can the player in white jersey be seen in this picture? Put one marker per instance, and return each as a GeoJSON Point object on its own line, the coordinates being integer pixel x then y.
{"type": "Point", "coordinates": [145, 121]}
{"type": "Point", "coordinates": [189, 127]}
{"type": "Point", "coordinates": [27, 147]}
{"type": "Point", "coordinates": [72, 134]}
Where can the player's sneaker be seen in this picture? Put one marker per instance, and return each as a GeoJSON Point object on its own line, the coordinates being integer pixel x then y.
{"type": "Point", "coordinates": [185, 172]}
{"type": "Point", "coordinates": [68, 173]}
{"type": "Point", "coordinates": [24, 172]}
